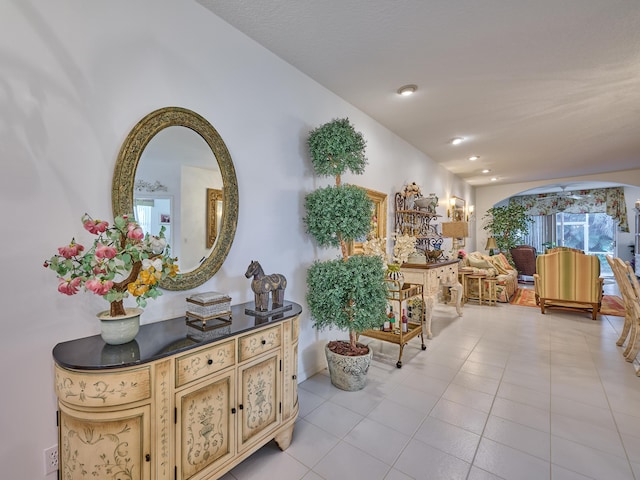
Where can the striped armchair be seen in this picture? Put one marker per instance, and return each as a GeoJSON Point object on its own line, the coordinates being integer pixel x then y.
{"type": "Point", "coordinates": [568, 279]}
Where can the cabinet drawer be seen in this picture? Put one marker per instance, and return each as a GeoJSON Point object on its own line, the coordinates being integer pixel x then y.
{"type": "Point", "coordinates": [204, 362]}
{"type": "Point", "coordinates": [103, 389]}
{"type": "Point", "coordinates": [256, 343]}
{"type": "Point", "coordinates": [417, 278]}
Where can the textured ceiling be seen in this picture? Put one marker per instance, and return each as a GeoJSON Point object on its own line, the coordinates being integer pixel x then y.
{"type": "Point", "coordinates": [540, 89]}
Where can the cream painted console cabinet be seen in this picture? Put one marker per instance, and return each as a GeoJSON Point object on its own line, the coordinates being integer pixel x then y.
{"type": "Point", "coordinates": [177, 402]}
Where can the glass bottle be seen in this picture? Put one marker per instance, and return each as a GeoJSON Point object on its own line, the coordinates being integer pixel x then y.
{"type": "Point", "coordinates": [405, 322]}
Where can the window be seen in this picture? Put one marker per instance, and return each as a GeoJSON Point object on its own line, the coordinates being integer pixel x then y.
{"type": "Point", "coordinates": [594, 233]}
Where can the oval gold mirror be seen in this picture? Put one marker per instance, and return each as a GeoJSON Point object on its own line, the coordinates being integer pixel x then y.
{"type": "Point", "coordinates": [210, 234]}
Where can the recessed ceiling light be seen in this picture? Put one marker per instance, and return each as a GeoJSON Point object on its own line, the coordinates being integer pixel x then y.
{"type": "Point", "coordinates": [473, 158]}
{"type": "Point", "coordinates": [493, 179]}
{"type": "Point", "coordinates": [407, 90]}
{"type": "Point", "coordinates": [486, 170]}
{"type": "Point", "coordinates": [457, 140]}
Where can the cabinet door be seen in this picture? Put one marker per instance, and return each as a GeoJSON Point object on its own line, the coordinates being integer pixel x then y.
{"type": "Point", "coordinates": [290, 367]}
{"type": "Point", "coordinates": [259, 398]}
{"type": "Point", "coordinates": [290, 381]}
{"type": "Point", "coordinates": [105, 445]}
{"type": "Point", "coordinates": [206, 425]}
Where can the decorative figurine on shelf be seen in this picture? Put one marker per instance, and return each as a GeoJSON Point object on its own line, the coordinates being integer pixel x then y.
{"type": "Point", "coordinates": [263, 284]}
{"type": "Point", "coordinates": [428, 203]}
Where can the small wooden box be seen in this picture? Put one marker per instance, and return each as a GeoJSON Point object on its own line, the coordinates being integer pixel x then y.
{"type": "Point", "coordinates": [208, 305]}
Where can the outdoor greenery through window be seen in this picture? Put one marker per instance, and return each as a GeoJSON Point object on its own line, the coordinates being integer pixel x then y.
{"type": "Point", "coordinates": [594, 233]}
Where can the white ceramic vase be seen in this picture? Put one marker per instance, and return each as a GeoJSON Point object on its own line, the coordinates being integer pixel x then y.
{"type": "Point", "coordinates": [120, 329]}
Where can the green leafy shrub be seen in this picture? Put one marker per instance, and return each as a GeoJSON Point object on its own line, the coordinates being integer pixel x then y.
{"type": "Point", "coordinates": [347, 293]}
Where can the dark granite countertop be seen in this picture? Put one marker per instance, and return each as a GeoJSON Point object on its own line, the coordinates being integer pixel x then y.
{"type": "Point", "coordinates": [161, 339]}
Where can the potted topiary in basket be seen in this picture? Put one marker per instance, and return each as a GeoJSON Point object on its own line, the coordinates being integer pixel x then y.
{"type": "Point", "coordinates": [347, 293]}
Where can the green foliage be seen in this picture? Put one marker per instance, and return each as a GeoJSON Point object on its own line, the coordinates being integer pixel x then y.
{"type": "Point", "coordinates": [336, 147]}
{"type": "Point", "coordinates": [338, 211]}
{"type": "Point", "coordinates": [508, 224]}
{"type": "Point", "coordinates": [349, 295]}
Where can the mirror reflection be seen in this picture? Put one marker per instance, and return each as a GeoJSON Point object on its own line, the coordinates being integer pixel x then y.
{"type": "Point", "coordinates": [174, 171]}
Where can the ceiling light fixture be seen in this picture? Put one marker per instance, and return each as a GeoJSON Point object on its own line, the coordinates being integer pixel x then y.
{"type": "Point", "coordinates": [407, 90]}
{"type": "Point", "coordinates": [493, 179]}
{"type": "Point", "coordinates": [486, 170]}
{"type": "Point", "coordinates": [473, 158]}
{"type": "Point", "coordinates": [457, 140]}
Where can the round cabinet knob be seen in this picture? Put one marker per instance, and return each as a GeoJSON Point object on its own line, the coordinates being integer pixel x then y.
{"type": "Point", "coordinates": [264, 342]}
{"type": "Point", "coordinates": [147, 457]}
{"type": "Point", "coordinates": [210, 361]}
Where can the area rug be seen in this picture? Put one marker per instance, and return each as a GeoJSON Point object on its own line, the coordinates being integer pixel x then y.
{"type": "Point", "coordinates": [611, 304]}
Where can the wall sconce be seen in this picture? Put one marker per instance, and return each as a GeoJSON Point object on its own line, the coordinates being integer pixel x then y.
{"type": "Point", "coordinates": [491, 245]}
{"type": "Point", "coordinates": [470, 211]}
{"type": "Point", "coordinates": [452, 207]}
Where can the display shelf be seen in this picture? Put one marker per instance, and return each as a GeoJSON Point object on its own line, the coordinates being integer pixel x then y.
{"type": "Point", "coordinates": [417, 222]}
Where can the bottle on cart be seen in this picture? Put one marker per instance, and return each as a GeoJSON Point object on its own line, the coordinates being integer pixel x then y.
{"type": "Point", "coordinates": [405, 322]}
{"type": "Point", "coordinates": [392, 320]}
{"type": "Point", "coordinates": [387, 325]}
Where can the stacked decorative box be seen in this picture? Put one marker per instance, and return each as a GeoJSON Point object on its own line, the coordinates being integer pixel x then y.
{"type": "Point", "coordinates": [208, 310]}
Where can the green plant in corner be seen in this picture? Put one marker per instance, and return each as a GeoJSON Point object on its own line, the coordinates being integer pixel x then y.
{"type": "Point", "coordinates": [508, 224]}
{"type": "Point", "coordinates": [348, 293]}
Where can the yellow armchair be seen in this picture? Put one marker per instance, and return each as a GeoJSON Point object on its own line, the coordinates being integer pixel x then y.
{"type": "Point", "coordinates": [568, 279]}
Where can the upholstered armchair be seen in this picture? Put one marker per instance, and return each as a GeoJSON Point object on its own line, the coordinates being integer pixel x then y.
{"type": "Point", "coordinates": [568, 279]}
{"type": "Point", "coordinates": [524, 258]}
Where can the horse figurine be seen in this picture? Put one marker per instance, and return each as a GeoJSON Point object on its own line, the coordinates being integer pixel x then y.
{"type": "Point", "coordinates": [263, 284]}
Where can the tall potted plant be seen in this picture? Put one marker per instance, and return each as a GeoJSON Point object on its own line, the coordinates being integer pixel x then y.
{"type": "Point", "coordinates": [347, 293]}
{"type": "Point", "coordinates": [508, 224]}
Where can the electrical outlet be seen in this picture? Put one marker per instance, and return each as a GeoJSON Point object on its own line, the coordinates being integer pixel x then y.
{"type": "Point", "coordinates": [51, 459]}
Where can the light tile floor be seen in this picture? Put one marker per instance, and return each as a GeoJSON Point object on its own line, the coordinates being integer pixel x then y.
{"type": "Point", "coordinates": [502, 393]}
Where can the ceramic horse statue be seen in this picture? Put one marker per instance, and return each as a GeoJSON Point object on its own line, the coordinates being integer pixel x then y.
{"type": "Point", "coordinates": [263, 284]}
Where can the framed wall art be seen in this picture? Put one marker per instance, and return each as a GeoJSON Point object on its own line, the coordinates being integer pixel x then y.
{"type": "Point", "coordinates": [378, 220]}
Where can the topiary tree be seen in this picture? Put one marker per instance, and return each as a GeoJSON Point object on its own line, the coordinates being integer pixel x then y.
{"type": "Point", "coordinates": [347, 293]}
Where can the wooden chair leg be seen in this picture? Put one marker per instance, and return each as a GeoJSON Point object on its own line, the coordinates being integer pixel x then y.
{"type": "Point", "coordinates": [626, 327]}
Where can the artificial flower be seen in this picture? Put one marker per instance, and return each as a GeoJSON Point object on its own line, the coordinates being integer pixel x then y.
{"type": "Point", "coordinates": [69, 287]}
{"type": "Point", "coordinates": [105, 251]}
{"type": "Point", "coordinates": [71, 250]}
{"type": "Point", "coordinates": [94, 226]}
{"type": "Point", "coordinates": [122, 261]}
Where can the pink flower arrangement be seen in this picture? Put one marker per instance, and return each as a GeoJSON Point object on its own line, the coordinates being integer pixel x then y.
{"type": "Point", "coordinates": [461, 254]}
{"type": "Point", "coordinates": [122, 261]}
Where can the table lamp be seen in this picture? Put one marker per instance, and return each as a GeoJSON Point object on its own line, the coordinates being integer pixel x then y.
{"type": "Point", "coordinates": [455, 230]}
{"type": "Point", "coordinates": [491, 245]}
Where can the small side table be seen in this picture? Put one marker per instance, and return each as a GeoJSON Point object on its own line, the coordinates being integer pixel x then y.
{"type": "Point", "coordinates": [469, 279]}
{"type": "Point", "coordinates": [462, 274]}
{"type": "Point", "coordinates": [492, 295]}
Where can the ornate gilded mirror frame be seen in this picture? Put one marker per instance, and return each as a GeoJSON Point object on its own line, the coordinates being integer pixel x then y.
{"type": "Point", "coordinates": [125, 172]}
{"type": "Point", "coordinates": [378, 220]}
{"type": "Point", "coordinates": [458, 209]}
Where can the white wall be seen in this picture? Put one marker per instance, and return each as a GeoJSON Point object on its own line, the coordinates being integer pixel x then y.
{"type": "Point", "coordinates": [76, 77]}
